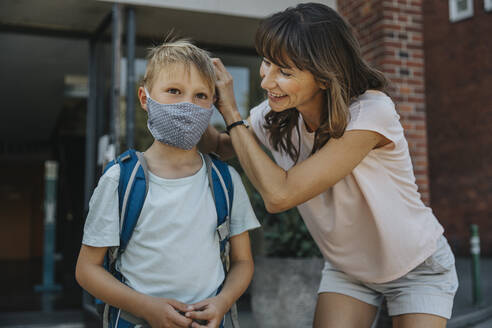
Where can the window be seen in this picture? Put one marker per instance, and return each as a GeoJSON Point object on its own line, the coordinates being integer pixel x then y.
{"type": "Point", "coordinates": [460, 9]}
{"type": "Point", "coordinates": [241, 78]}
{"type": "Point", "coordinates": [487, 4]}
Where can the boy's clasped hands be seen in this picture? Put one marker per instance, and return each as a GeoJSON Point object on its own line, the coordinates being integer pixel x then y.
{"type": "Point", "coordinates": [170, 313]}
{"type": "Point", "coordinates": [207, 313]}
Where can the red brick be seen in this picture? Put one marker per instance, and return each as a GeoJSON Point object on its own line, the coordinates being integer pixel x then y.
{"type": "Point", "coordinates": [392, 44]}
{"type": "Point", "coordinates": [402, 18]}
{"type": "Point", "coordinates": [406, 108]}
{"type": "Point", "coordinates": [394, 27]}
{"type": "Point", "coordinates": [416, 100]}
{"type": "Point", "coordinates": [391, 62]}
{"type": "Point", "coordinates": [413, 29]}
{"type": "Point", "coordinates": [414, 63]}
{"type": "Point", "coordinates": [405, 90]}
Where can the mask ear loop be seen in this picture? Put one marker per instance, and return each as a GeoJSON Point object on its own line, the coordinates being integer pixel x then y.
{"type": "Point", "coordinates": [147, 92]}
{"type": "Point", "coordinates": [148, 95]}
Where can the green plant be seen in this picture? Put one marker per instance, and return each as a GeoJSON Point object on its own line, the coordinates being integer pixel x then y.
{"type": "Point", "coordinates": [285, 234]}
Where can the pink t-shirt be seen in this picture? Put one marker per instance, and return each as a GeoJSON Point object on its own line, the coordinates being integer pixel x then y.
{"type": "Point", "coordinates": [372, 224]}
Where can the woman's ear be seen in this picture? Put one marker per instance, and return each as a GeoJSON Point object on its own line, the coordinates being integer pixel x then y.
{"type": "Point", "coordinates": [143, 98]}
{"type": "Point", "coordinates": [322, 84]}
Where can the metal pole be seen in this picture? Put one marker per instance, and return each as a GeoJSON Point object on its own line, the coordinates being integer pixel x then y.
{"type": "Point", "coordinates": [115, 76]}
{"type": "Point", "coordinates": [49, 287]}
{"type": "Point", "coordinates": [475, 253]}
{"type": "Point", "coordinates": [90, 127]}
{"type": "Point", "coordinates": [130, 77]}
{"type": "Point", "coordinates": [90, 138]}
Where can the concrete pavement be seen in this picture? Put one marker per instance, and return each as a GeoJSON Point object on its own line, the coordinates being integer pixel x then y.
{"type": "Point", "coordinates": [465, 314]}
{"type": "Point", "coordinates": [483, 324]}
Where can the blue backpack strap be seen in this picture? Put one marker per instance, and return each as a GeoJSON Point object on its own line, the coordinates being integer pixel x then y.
{"type": "Point", "coordinates": [132, 190]}
{"type": "Point", "coordinates": [223, 193]}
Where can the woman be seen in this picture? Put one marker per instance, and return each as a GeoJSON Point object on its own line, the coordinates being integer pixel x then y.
{"type": "Point", "coordinates": [341, 157]}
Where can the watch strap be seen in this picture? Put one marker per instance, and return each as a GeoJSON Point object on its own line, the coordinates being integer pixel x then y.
{"type": "Point", "coordinates": [230, 126]}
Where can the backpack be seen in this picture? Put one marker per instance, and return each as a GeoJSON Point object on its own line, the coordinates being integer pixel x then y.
{"type": "Point", "coordinates": [132, 190]}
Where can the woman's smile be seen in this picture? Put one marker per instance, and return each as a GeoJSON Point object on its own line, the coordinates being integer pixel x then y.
{"type": "Point", "coordinates": [276, 97]}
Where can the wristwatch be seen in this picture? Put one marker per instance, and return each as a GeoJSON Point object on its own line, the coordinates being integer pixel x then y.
{"type": "Point", "coordinates": [242, 122]}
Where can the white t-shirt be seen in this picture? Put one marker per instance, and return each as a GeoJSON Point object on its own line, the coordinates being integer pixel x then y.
{"type": "Point", "coordinates": [174, 249]}
{"type": "Point", "coordinates": [372, 224]}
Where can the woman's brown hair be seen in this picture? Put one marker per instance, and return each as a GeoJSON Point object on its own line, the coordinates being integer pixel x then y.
{"type": "Point", "coordinates": [317, 39]}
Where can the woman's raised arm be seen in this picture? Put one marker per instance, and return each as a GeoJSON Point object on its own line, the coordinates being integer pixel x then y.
{"type": "Point", "coordinates": [281, 189]}
{"type": "Point", "coordinates": [213, 141]}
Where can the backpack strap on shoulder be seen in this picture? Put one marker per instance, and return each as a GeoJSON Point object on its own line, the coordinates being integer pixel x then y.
{"type": "Point", "coordinates": [222, 188]}
{"type": "Point", "coordinates": [132, 190]}
{"type": "Point", "coordinates": [133, 186]}
{"type": "Point", "coordinates": [220, 182]}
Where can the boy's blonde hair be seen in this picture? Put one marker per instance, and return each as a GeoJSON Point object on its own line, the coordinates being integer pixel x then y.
{"type": "Point", "coordinates": [179, 51]}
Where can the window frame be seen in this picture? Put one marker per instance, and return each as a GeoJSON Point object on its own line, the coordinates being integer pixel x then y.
{"type": "Point", "coordinates": [455, 15]}
{"type": "Point", "coordinates": [487, 5]}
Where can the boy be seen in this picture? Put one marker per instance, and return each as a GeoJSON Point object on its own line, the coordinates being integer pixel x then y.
{"type": "Point", "coordinates": [171, 267]}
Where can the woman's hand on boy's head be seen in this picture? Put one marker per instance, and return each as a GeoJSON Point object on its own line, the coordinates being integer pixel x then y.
{"type": "Point", "coordinates": [226, 102]}
{"type": "Point", "coordinates": [211, 310]}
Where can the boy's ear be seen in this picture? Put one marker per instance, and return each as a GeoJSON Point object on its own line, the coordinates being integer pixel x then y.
{"type": "Point", "coordinates": [143, 98]}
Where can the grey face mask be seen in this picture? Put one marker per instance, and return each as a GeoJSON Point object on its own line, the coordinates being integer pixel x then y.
{"type": "Point", "coordinates": [180, 125]}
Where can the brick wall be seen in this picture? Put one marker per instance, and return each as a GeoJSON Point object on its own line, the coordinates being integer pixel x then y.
{"type": "Point", "coordinates": [390, 33]}
{"type": "Point", "coordinates": [458, 60]}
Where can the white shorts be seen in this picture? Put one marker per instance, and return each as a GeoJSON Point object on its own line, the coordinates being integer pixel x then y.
{"type": "Point", "coordinates": [429, 288]}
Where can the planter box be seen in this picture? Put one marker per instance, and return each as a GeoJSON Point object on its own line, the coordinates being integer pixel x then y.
{"type": "Point", "coordinates": [284, 291]}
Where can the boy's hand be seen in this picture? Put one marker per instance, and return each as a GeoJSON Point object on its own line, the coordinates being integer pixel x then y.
{"type": "Point", "coordinates": [164, 313]}
{"type": "Point", "coordinates": [211, 310]}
